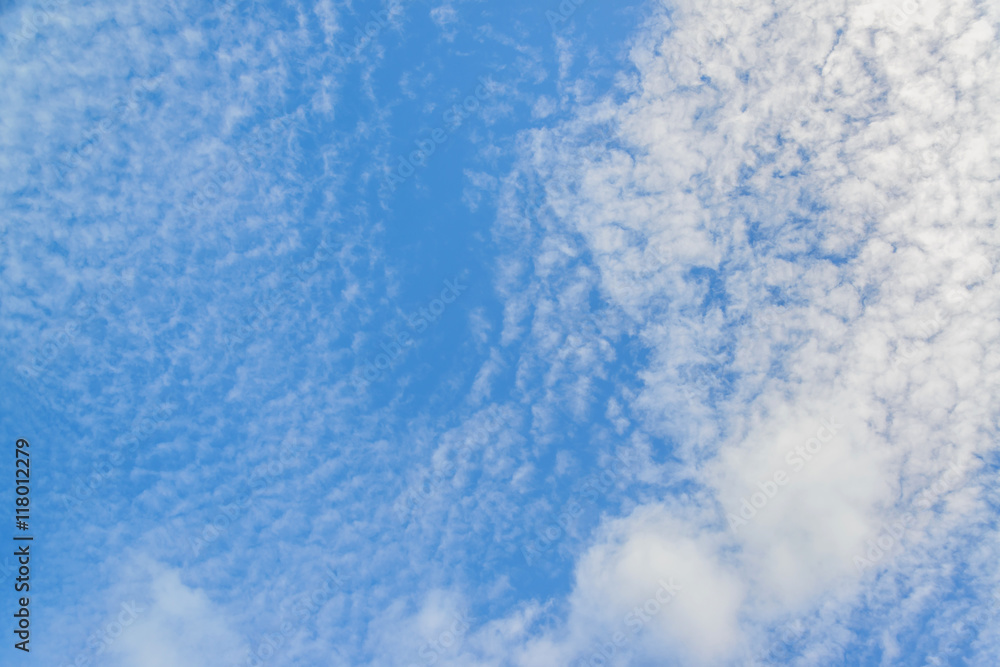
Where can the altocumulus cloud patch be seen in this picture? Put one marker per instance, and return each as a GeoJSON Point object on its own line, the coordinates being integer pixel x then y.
{"type": "Point", "coordinates": [566, 333]}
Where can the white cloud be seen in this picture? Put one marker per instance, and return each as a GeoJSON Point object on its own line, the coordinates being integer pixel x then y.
{"type": "Point", "coordinates": [178, 625]}
{"type": "Point", "coordinates": [792, 211]}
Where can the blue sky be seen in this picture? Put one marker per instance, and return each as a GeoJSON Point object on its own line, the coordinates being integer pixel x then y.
{"type": "Point", "coordinates": [467, 333]}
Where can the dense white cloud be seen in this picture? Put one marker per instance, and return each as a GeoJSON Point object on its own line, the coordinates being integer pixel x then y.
{"type": "Point", "coordinates": [174, 623]}
{"type": "Point", "coordinates": [793, 209]}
